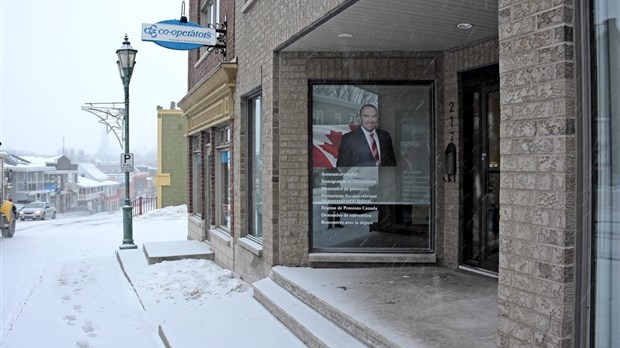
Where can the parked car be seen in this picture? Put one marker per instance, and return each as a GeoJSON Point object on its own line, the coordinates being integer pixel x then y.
{"type": "Point", "coordinates": [37, 210]}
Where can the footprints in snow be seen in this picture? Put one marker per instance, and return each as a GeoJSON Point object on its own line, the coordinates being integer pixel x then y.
{"type": "Point", "coordinates": [74, 285]}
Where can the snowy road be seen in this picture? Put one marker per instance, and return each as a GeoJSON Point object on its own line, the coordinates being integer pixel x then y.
{"type": "Point", "coordinates": [62, 287]}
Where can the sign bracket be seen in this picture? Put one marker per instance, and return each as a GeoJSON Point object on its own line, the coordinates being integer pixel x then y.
{"type": "Point", "coordinates": [220, 46]}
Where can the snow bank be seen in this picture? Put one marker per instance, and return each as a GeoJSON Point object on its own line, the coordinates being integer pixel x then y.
{"type": "Point", "coordinates": [171, 212]}
{"type": "Point", "coordinates": [189, 282]}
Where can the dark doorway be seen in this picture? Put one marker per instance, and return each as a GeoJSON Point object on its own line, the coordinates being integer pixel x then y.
{"type": "Point", "coordinates": [481, 167]}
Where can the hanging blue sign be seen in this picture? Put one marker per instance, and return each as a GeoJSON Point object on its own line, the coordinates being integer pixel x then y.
{"type": "Point", "coordinates": [176, 35]}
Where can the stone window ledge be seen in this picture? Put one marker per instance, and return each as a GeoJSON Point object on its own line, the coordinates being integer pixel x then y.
{"type": "Point", "coordinates": [372, 258]}
{"type": "Point", "coordinates": [196, 220]}
{"type": "Point", "coordinates": [251, 246]}
{"type": "Point", "coordinates": [222, 236]}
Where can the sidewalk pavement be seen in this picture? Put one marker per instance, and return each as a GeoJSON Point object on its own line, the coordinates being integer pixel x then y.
{"type": "Point", "coordinates": [236, 321]}
{"type": "Point", "coordinates": [405, 306]}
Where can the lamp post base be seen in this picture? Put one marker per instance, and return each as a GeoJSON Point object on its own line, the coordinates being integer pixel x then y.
{"type": "Point", "coordinates": [128, 246]}
{"type": "Point", "coordinates": [127, 229]}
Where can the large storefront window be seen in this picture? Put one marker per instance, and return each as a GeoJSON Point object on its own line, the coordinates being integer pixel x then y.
{"type": "Point", "coordinates": [607, 179]}
{"type": "Point", "coordinates": [372, 167]}
{"type": "Point", "coordinates": [255, 189]}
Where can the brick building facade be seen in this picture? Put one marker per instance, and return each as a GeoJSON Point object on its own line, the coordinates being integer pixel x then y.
{"type": "Point", "coordinates": [512, 97]}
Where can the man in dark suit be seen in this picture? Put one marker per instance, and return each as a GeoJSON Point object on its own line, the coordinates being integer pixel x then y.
{"type": "Point", "coordinates": [366, 146]}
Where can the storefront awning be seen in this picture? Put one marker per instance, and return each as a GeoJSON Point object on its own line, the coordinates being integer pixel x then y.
{"type": "Point", "coordinates": [396, 25]}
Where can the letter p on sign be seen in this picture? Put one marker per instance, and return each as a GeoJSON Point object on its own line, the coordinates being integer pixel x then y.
{"type": "Point", "coordinates": [126, 162]}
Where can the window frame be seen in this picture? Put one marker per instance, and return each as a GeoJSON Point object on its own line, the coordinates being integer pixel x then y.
{"type": "Point", "coordinates": [209, 16]}
{"type": "Point", "coordinates": [430, 248]}
{"type": "Point", "coordinates": [197, 204]}
{"type": "Point", "coordinates": [254, 233]}
{"type": "Point", "coordinates": [587, 183]}
{"type": "Point", "coordinates": [222, 144]}
{"type": "Point", "coordinates": [206, 186]}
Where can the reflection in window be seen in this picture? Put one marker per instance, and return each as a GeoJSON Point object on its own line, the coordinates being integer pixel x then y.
{"type": "Point", "coordinates": [207, 180]}
{"type": "Point", "coordinates": [378, 198]}
{"type": "Point", "coordinates": [209, 14]}
{"type": "Point", "coordinates": [224, 188]}
{"type": "Point", "coordinates": [607, 180]}
{"type": "Point", "coordinates": [223, 203]}
{"type": "Point", "coordinates": [255, 188]}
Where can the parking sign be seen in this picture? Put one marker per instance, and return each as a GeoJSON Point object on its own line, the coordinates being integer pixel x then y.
{"type": "Point", "coordinates": [126, 162]}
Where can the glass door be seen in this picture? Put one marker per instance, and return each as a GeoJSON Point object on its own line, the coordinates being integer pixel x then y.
{"type": "Point", "coordinates": [481, 186]}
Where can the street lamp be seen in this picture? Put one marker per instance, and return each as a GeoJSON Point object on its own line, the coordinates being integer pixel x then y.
{"type": "Point", "coordinates": [126, 61]}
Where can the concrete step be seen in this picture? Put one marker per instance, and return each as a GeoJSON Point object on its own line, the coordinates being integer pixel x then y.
{"type": "Point", "coordinates": [352, 326]}
{"type": "Point", "coordinates": [310, 326]}
{"type": "Point", "coordinates": [177, 250]}
{"type": "Point", "coordinates": [237, 321]}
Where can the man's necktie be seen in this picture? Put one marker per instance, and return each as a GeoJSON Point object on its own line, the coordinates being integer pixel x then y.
{"type": "Point", "coordinates": [373, 148]}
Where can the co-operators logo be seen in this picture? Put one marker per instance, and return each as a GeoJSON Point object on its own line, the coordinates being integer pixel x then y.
{"type": "Point", "coordinates": [151, 31]}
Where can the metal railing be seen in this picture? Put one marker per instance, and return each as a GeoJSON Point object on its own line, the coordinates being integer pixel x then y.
{"type": "Point", "coordinates": [142, 205]}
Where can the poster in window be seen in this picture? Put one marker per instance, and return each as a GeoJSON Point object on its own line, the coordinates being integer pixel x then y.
{"type": "Point", "coordinates": [371, 185]}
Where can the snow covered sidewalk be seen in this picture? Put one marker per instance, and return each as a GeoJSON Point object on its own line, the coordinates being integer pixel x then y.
{"type": "Point", "coordinates": [196, 303]}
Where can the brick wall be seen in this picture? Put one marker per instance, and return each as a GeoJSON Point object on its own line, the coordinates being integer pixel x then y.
{"type": "Point", "coordinates": [537, 219]}
{"type": "Point", "coordinates": [200, 65]}
{"type": "Point", "coordinates": [283, 79]}
{"type": "Point", "coordinates": [277, 21]}
{"type": "Point", "coordinates": [537, 224]}
{"type": "Point", "coordinates": [295, 69]}
{"type": "Point", "coordinates": [291, 154]}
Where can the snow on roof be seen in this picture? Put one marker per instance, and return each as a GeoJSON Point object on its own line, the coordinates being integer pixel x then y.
{"type": "Point", "coordinates": [12, 160]}
{"type": "Point", "coordinates": [42, 161]}
{"type": "Point", "coordinates": [89, 183]}
{"type": "Point", "coordinates": [30, 163]}
{"type": "Point", "coordinates": [27, 167]}
{"type": "Point", "coordinates": [91, 171]}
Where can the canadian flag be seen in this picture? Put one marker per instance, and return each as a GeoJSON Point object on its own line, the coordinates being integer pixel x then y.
{"type": "Point", "coordinates": [325, 143]}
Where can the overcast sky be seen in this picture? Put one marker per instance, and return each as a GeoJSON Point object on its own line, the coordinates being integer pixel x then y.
{"type": "Point", "coordinates": [58, 55]}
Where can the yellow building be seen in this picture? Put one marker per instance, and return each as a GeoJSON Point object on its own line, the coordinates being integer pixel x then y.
{"type": "Point", "coordinates": [171, 177]}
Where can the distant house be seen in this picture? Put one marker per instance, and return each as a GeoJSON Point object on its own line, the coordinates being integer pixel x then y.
{"type": "Point", "coordinates": [140, 179]}
{"type": "Point", "coordinates": [96, 191]}
{"type": "Point", "coordinates": [27, 178]}
{"type": "Point", "coordinates": [36, 178]}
